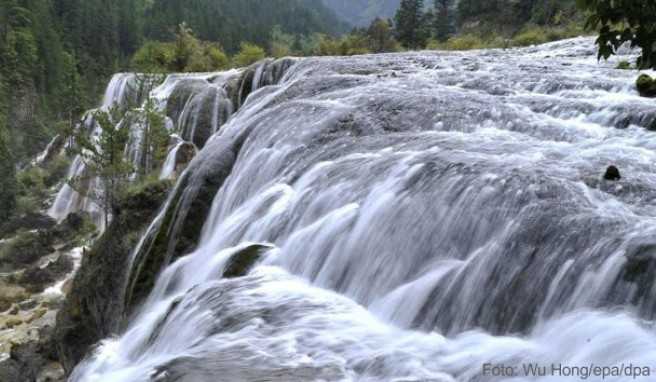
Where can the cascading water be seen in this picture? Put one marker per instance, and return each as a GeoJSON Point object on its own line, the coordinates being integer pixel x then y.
{"type": "Point", "coordinates": [119, 93]}
{"type": "Point", "coordinates": [203, 94]}
{"type": "Point", "coordinates": [431, 213]}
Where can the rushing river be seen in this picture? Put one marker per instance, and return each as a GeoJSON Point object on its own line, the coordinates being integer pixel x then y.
{"type": "Point", "coordinates": [430, 213]}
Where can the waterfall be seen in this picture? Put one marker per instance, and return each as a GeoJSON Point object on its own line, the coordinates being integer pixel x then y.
{"type": "Point", "coordinates": [429, 213]}
{"type": "Point", "coordinates": [68, 200]}
{"type": "Point", "coordinates": [169, 164]}
{"type": "Point", "coordinates": [206, 94]}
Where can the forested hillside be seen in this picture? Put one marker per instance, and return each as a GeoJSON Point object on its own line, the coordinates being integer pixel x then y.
{"type": "Point", "coordinates": [57, 54]}
{"type": "Point", "coordinates": [361, 12]}
{"type": "Point", "coordinates": [507, 16]}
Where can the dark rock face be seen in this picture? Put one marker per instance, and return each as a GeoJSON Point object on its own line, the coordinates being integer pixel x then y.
{"type": "Point", "coordinates": [178, 231]}
{"type": "Point", "coordinates": [646, 86]}
{"type": "Point", "coordinates": [612, 173]}
{"type": "Point", "coordinates": [242, 261]}
{"type": "Point", "coordinates": [94, 307]}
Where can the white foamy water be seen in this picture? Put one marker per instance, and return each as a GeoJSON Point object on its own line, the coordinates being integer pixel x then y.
{"type": "Point", "coordinates": [431, 213]}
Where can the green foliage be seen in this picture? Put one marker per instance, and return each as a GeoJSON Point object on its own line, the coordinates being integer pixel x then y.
{"type": "Point", "coordinates": [464, 42]}
{"type": "Point", "coordinates": [282, 43]}
{"type": "Point", "coordinates": [104, 160]}
{"type": "Point", "coordinates": [155, 139]}
{"type": "Point", "coordinates": [154, 57]}
{"type": "Point", "coordinates": [185, 54]}
{"type": "Point", "coordinates": [7, 177]}
{"type": "Point", "coordinates": [377, 38]}
{"type": "Point", "coordinates": [443, 22]}
{"type": "Point", "coordinates": [380, 35]}
{"type": "Point", "coordinates": [508, 17]}
{"type": "Point", "coordinates": [410, 28]}
{"type": "Point", "coordinates": [623, 65]}
{"type": "Point", "coordinates": [32, 190]}
{"type": "Point", "coordinates": [231, 22]}
{"type": "Point", "coordinates": [624, 21]}
{"type": "Point", "coordinates": [248, 54]}
{"type": "Point", "coordinates": [530, 36]}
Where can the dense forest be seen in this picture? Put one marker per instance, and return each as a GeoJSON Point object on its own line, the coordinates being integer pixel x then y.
{"type": "Point", "coordinates": [360, 13]}
{"type": "Point", "coordinates": [57, 55]}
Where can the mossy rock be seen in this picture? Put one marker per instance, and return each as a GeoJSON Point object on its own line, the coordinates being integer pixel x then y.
{"type": "Point", "coordinates": [94, 307]}
{"type": "Point", "coordinates": [10, 294]}
{"type": "Point", "coordinates": [646, 86]}
{"type": "Point", "coordinates": [623, 65]}
{"type": "Point", "coordinates": [178, 232]}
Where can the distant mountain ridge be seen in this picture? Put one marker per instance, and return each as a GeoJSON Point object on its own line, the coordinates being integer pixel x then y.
{"type": "Point", "coordinates": [361, 12]}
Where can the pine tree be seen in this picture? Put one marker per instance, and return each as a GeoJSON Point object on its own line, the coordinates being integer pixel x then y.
{"type": "Point", "coordinates": [443, 23]}
{"type": "Point", "coordinates": [155, 138]}
{"type": "Point", "coordinates": [409, 20]}
{"type": "Point", "coordinates": [380, 36]}
{"type": "Point", "coordinates": [104, 160]}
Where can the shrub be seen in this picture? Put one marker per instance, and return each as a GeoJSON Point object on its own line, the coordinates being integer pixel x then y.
{"type": "Point", "coordinates": [623, 65]}
{"type": "Point", "coordinates": [56, 170]}
{"type": "Point", "coordinates": [532, 36]}
{"type": "Point", "coordinates": [464, 42]}
{"type": "Point", "coordinates": [248, 54]}
{"type": "Point", "coordinates": [154, 57]}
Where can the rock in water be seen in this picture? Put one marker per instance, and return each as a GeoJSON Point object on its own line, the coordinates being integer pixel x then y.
{"type": "Point", "coordinates": [241, 262]}
{"type": "Point", "coordinates": [646, 86]}
{"type": "Point", "coordinates": [612, 173]}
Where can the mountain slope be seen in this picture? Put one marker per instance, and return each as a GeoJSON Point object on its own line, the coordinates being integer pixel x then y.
{"type": "Point", "coordinates": [231, 21]}
{"type": "Point", "coordinates": [361, 12]}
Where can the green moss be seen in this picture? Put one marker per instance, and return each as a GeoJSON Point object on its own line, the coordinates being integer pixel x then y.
{"type": "Point", "coordinates": [465, 42]}
{"type": "Point", "coordinates": [623, 65]}
{"type": "Point", "coordinates": [533, 36]}
{"type": "Point", "coordinates": [646, 86]}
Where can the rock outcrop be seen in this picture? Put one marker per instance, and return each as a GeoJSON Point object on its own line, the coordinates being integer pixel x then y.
{"type": "Point", "coordinates": [94, 307]}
